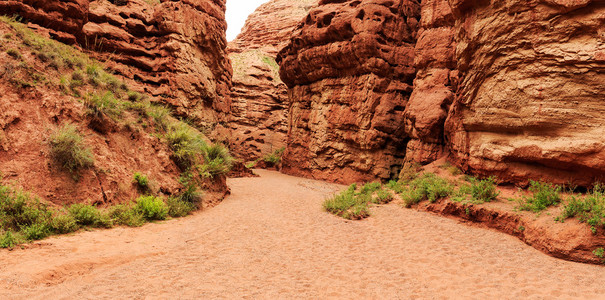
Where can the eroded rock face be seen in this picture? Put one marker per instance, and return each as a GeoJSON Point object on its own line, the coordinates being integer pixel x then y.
{"type": "Point", "coordinates": [258, 122]}
{"type": "Point", "coordinates": [175, 49]}
{"type": "Point", "coordinates": [435, 82]}
{"type": "Point", "coordinates": [530, 104]}
{"type": "Point", "coordinates": [350, 71]}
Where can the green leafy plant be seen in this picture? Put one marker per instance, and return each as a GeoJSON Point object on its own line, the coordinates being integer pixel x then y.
{"type": "Point", "coordinates": [68, 150]}
{"type": "Point", "coordinates": [64, 223]}
{"type": "Point", "coordinates": [10, 240]}
{"type": "Point", "coordinates": [544, 196]}
{"type": "Point", "coordinates": [383, 197]}
{"type": "Point", "coordinates": [186, 146]}
{"type": "Point", "coordinates": [483, 190]}
{"type": "Point", "coordinates": [589, 209]}
{"type": "Point", "coordinates": [152, 208]}
{"type": "Point", "coordinates": [370, 187]}
{"type": "Point", "coordinates": [87, 215]}
{"type": "Point", "coordinates": [141, 181]}
{"type": "Point", "coordinates": [349, 204]}
{"type": "Point", "coordinates": [426, 187]}
{"type": "Point", "coordinates": [127, 215]}
{"type": "Point", "coordinates": [599, 252]}
{"type": "Point", "coordinates": [178, 207]}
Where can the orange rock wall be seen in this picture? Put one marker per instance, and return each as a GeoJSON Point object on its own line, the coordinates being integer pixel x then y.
{"type": "Point", "coordinates": [507, 88]}
{"type": "Point", "coordinates": [531, 100]}
{"type": "Point", "coordinates": [176, 49]}
{"type": "Point", "coordinates": [350, 71]}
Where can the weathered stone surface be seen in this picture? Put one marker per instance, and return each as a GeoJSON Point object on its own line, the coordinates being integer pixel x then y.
{"type": "Point", "coordinates": [530, 103]}
{"type": "Point", "coordinates": [257, 119]}
{"type": "Point", "coordinates": [434, 86]}
{"type": "Point", "coordinates": [175, 49]}
{"type": "Point", "coordinates": [350, 70]}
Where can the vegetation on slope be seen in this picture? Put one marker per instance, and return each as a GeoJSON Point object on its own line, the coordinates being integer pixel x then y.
{"type": "Point", "coordinates": [110, 105]}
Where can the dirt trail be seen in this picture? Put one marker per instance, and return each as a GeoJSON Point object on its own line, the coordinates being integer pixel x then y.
{"type": "Point", "coordinates": [272, 240]}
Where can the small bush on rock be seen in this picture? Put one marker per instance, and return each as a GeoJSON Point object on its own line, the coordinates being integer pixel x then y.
{"type": "Point", "coordinates": [152, 208]}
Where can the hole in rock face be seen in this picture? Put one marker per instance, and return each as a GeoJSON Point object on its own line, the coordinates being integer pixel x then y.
{"type": "Point", "coordinates": [361, 14]}
{"type": "Point", "coordinates": [326, 20]}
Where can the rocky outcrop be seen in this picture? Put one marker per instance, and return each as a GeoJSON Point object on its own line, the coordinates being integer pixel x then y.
{"type": "Point", "coordinates": [530, 100]}
{"type": "Point", "coordinates": [174, 49]}
{"type": "Point", "coordinates": [350, 71]}
{"type": "Point", "coordinates": [435, 82]}
{"type": "Point", "coordinates": [512, 89]}
{"type": "Point", "coordinates": [259, 99]}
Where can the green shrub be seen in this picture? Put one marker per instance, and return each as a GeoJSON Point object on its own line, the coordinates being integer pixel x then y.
{"type": "Point", "coordinates": [159, 114]}
{"type": "Point", "coordinates": [104, 104]}
{"type": "Point", "coordinates": [217, 160]}
{"type": "Point", "coordinates": [191, 192]}
{"type": "Point", "coordinates": [141, 181]}
{"type": "Point", "coordinates": [186, 145]}
{"type": "Point", "coordinates": [68, 150]}
{"type": "Point", "coordinates": [126, 215]}
{"type": "Point", "coordinates": [589, 209]}
{"type": "Point", "coordinates": [87, 215]}
{"type": "Point", "coordinates": [483, 190]}
{"type": "Point", "coordinates": [396, 186]}
{"type": "Point", "coordinates": [18, 209]}
{"type": "Point", "coordinates": [274, 158]}
{"type": "Point", "coordinates": [370, 187]}
{"type": "Point", "coordinates": [10, 240]}
{"type": "Point", "coordinates": [349, 204]}
{"type": "Point", "coordinates": [544, 196]}
{"type": "Point", "coordinates": [427, 187]}
{"type": "Point", "coordinates": [64, 223]}
{"type": "Point", "coordinates": [36, 231]}
{"type": "Point", "coordinates": [152, 208]}
{"type": "Point", "coordinates": [178, 207]}
{"type": "Point", "coordinates": [599, 252]}
{"type": "Point", "coordinates": [383, 197]}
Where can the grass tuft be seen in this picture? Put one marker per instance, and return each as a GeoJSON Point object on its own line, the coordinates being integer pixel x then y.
{"type": "Point", "coordinates": [68, 150]}
{"type": "Point", "coordinates": [426, 187]}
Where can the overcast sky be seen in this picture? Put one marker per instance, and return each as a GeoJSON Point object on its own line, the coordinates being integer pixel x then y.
{"type": "Point", "coordinates": [237, 13]}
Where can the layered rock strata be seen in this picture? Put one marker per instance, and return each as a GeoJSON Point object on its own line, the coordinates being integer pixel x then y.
{"type": "Point", "coordinates": [175, 49]}
{"type": "Point", "coordinates": [513, 89]}
{"type": "Point", "coordinates": [530, 104]}
{"type": "Point", "coordinates": [259, 99]}
{"type": "Point", "coordinates": [350, 71]}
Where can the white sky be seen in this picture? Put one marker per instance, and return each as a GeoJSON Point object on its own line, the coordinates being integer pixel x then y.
{"type": "Point", "coordinates": [237, 13]}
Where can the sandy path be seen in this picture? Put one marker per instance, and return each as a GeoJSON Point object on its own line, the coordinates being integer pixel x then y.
{"type": "Point", "coordinates": [271, 240]}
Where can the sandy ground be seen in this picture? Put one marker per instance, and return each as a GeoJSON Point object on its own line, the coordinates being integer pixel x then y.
{"type": "Point", "coordinates": [271, 240]}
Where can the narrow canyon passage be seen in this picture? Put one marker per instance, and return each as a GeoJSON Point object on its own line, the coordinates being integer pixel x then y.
{"type": "Point", "coordinates": [270, 239]}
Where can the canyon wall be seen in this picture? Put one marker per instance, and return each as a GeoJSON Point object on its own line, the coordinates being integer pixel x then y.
{"type": "Point", "coordinates": [507, 88]}
{"type": "Point", "coordinates": [259, 99]}
{"type": "Point", "coordinates": [531, 99]}
{"type": "Point", "coordinates": [350, 71]}
{"type": "Point", "coordinates": [176, 50]}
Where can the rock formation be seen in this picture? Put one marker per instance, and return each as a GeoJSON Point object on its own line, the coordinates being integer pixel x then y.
{"type": "Point", "coordinates": [513, 89]}
{"type": "Point", "coordinates": [258, 121]}
{"type": "Point", "coordinates": [175, 48]}
{"type": "Point", "coordinates": [530, 103]}
{"type": "Point", "coordinates": [435, 82]}
{"type": "Point", "coordinates": [350, 71]}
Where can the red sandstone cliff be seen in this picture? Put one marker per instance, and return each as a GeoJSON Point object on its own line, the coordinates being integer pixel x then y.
{"type": "Point", "coordinates": [175, 49]}
{"type": "Point", "coordinates": [521, 84]}
{"type": "Point", "coordinates": [530, 104]}
{"type": "Point", "coordinates": [258, 116]}
{"type": "Point", "coordinates": [173, 52]}
{"type": "Point", "coordinates": [350, 71]}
